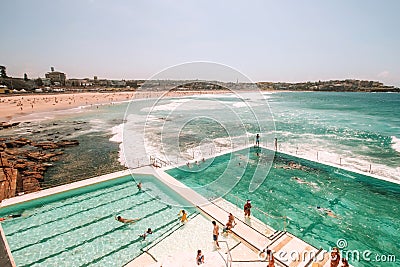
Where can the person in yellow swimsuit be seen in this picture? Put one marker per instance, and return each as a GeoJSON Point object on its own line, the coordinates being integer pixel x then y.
{"type": "Point", "coordinates": [183, 215]}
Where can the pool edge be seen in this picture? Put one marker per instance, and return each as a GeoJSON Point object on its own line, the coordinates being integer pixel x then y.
{"type": "Point", "coordinates": [63, 188]}
{"type": "Point", "coordinates": [7, 247]}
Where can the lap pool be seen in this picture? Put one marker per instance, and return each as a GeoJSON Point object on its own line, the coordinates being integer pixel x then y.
{"type": "Point", "coordinates": [77, 228]}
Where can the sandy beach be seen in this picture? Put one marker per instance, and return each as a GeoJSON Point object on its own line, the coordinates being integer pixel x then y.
{"type": "Point", "coordinates": [13, 108]}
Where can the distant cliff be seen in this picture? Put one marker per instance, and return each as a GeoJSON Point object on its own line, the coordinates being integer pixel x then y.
{"type": "Point", "coordinates": [333, 85]}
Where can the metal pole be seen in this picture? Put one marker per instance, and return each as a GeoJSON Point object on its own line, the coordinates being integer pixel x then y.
{"type": "Point", "coordinates": [284, 223]}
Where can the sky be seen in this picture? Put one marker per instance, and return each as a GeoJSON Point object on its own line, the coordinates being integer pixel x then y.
{"type": "Point", "coordinates": [288, 41]}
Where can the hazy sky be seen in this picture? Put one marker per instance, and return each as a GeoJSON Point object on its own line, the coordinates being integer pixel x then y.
{"type": "Point", "coordinates": [266, 40]}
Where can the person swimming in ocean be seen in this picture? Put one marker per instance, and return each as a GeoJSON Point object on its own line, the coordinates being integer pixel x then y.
{"type": "Point", "coordinates": [301, 181]}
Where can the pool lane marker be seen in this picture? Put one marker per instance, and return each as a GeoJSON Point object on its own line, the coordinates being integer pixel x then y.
{"type": "Point", "coordinates": [127, 245]}
{"type": "Point", "coordinates": [75, 201]}
{"type": "Point", "coordinates": [73, 214]}
{"type": "Point", "coordinates": [81, 226]}
{"type": "Point", "coordinates": [93, 238]}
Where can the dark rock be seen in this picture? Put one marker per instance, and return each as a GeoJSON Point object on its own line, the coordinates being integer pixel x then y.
{"type": "Point", "coordinates": [4, 125]}
{"type": "Point", "coordinates": [66, 143]}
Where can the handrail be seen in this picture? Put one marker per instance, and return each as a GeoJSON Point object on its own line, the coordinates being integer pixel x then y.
{"type": "Point", "coordinates": [228, 261]}
{"type": "Point", "coordinates": [285, 224]}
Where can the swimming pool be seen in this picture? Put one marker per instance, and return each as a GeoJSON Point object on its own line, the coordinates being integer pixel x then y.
{"type": "Point", "coordinates": [77, 228]}
{"type": "Point", "coordinates": [365, 211]}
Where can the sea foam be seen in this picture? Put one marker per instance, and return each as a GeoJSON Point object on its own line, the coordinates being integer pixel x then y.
{"type": "Point", "coordinates": [396, 143]}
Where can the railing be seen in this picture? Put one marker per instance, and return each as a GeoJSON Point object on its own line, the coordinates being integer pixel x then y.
{"type": "Point", "coordinates": [326, 158]}
{"type": "Point", "coordinates": [158, 163]}
{"type": "Point", "coordinates": [240, 203]}
{"type": "Point", "coordinates": [228, 261]}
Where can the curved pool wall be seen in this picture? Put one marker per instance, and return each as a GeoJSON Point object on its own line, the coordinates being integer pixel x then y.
{"type": "Point", "coordinates": [77, 227]}
{"type": "Point", "coordinates": [360, 209]}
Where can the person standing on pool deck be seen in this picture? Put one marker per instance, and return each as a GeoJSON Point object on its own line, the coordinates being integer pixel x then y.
{"type": "Point", "coordinates": [257, 140]}
{"type": "Point", "coordinates": [335, 257]}
{"type": "Point", "coordinates": [231, 219]}
{"type": "Point", "coordinates": [215, 234]}
{"type": "Point", "coordinates": [199, 257]}
{"type": "Point", "coordinates": [345, 263]}
{"type": "Point", "coordinates": [271, 259]}
{"type": "Point", "coordinates": [247, 208]}
{"type": "Point", "coordinates": [184, 216]}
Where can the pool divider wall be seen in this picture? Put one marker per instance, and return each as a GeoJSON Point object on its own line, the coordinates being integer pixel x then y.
{"type": "Point", "coordinates": [369, 177]}
{"type": "Point", "coordinates": [366, 175]}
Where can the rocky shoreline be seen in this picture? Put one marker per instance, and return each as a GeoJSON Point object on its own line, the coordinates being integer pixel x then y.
{"type": "Point", "coordinates": [29, 160]}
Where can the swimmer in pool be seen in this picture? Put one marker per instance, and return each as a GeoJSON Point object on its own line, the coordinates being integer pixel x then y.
{"type": "Point", "coordinates": [301, 181]}
{"type": "Point", "coordinates": [148, 232]}
{"type": "Point", "coordinates": [123, 220]}
{"type": "Point", "coordinates": [12, 216]}
{"type": "Point", "coordinates": [327, 212]}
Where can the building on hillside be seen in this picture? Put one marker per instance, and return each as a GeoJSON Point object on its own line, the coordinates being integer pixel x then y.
{"type": "Point", "coordinates": [56, 77]}
{"type": "Point", "coordinates": [4, 90]}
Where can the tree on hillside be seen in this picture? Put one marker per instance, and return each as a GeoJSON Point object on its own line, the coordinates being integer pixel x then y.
{"type": "Point", "coordinates": [25, 77]}
{"type": "Point", "coordinates": [39, 82]}
{"type": "Point", "coordinates": [3, 73]}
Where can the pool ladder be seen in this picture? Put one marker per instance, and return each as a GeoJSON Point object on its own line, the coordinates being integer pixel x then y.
{"type": "Point", "coordinates": [228, 260]}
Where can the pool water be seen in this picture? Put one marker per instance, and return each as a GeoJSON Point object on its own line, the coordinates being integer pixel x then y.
{"type": "Point", "coordinates": [365, 210]}
{"type": "Point", "coordinates": [78, 228]}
